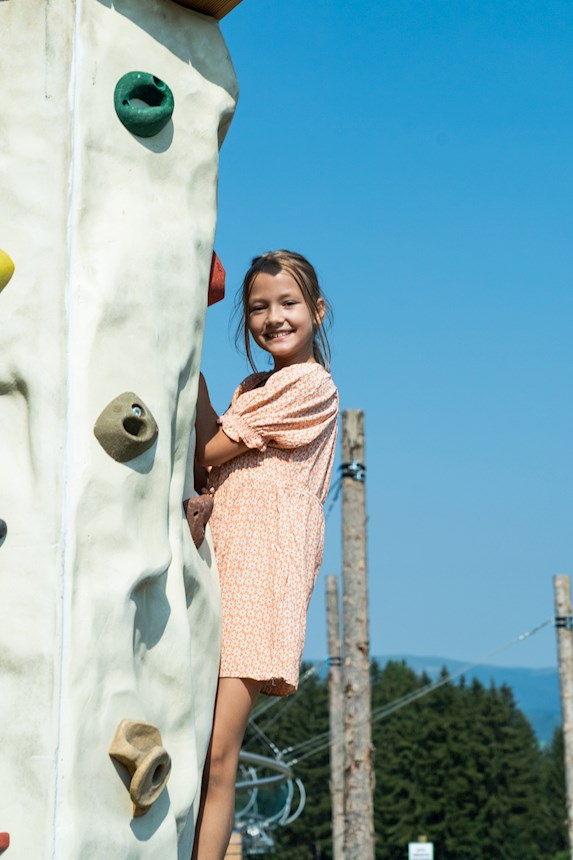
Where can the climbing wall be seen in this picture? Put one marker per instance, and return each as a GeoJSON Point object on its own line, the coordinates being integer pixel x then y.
{"type": "Point", "coordinates": [111, 117]}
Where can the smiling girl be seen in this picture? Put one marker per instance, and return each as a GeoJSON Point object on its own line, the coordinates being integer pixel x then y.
{"type": "Point", "coordinates": [270, 458]}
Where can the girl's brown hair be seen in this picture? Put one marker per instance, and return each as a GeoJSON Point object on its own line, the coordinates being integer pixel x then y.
{"type": "Point", "coordinates": [305, 276]}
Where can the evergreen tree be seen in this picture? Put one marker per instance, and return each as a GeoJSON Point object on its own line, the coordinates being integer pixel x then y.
{"type": "Point", "coordinates": [554, 779]}
{"type": "Point", "coordinates": [396, 739]}
{"type": "Point", "coordinates": [463, 767]}
{"type": "Point", "coordinates": [512, 818]}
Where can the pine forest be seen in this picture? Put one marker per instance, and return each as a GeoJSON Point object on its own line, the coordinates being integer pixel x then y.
{"type": "Point", "coordinates": [461, 766]}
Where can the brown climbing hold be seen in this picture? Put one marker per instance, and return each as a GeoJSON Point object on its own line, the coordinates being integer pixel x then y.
{"type": "Point", "coordinates": [216, 8]}
{"type": "Point", "coordinates": [4, 841]}
{"type": "Point", "coordinates": [198, 510]}
{"type": "Point", "coordinates": [138, 746]}
{"type": "Point", "coordinates": [126, 428]}
{"type": "Point", "coordinates": [216, 281]}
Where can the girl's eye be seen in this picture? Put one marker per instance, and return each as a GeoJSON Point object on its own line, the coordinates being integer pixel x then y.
{"type": "Point", "coordinates": [290, 303]}
{"type": "Point", "coordinates": [255, 310]}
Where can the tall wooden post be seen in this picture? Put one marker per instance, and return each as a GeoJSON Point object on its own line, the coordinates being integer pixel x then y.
{"type": "Point", "coordinates": [564, 629]}
{"type": "Point", "coordinates": [358, 772]}
{"type": "Point", "coordinates": [336, 718]}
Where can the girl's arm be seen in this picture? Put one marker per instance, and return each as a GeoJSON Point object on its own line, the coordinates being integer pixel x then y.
{"type": "Point", "coordinates": [212, 447]}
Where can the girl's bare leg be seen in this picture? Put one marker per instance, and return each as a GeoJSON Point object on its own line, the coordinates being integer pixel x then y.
{"type": "Point", "coordinates": [235, 700]}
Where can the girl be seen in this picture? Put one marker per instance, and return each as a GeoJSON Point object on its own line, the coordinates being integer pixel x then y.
{"type": "Point", "coordinates": [271, 457]}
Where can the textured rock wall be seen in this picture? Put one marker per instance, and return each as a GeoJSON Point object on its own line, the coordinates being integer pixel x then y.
{"type": "Point", "coordinates": [107, 610]}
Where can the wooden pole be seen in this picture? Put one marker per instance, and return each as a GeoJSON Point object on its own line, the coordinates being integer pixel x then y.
{"type": "Point", "coordinates": [358, 771]}
{"type": "Point", "coordinates": [336, 718]}
{"type": "Point", "coordinates": [564, 629]}
{"type": "Point", "coordinates": [235, 850]}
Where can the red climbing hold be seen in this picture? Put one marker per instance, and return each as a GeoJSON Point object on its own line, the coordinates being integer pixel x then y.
{"type": "Point", "coordinates": [4, 841]}
{"type": "Point", "coordinates": [198, 510]}
{"type": "Point", "coordinates": [216, 281]}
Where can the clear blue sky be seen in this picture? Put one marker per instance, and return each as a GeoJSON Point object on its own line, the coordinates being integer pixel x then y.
{"type": "Point", "coordinates": [421, 155]}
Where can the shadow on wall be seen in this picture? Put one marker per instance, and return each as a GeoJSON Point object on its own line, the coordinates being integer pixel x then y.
{"type": "Point", "coordinates": [152, 611]}
{"type": "Point", "coordinates": [151, 16]}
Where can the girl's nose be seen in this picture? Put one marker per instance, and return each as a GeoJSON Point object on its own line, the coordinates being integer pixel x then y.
{"type": "Point", "coordinates": [274, 315]}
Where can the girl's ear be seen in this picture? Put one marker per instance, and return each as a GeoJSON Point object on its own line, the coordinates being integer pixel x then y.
{"type": "Point", "coordinates": [320, 311]}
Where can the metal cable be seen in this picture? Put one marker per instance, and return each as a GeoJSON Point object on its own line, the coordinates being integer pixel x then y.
{"type": "Point", "coordinates": [320, 742]}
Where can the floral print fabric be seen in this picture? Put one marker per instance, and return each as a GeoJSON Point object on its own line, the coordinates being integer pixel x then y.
{"type": "Point", "coordinates": [267, 521]}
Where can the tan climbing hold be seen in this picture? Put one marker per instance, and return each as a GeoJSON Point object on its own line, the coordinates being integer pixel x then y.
{"type": "Point", "coordinates": [126, 428]}
{"type": "Point", "coordinates": [138, 747]}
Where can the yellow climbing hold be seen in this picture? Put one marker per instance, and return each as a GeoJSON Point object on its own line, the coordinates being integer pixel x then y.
{"type": "Point", "coordinates": [6, 269]}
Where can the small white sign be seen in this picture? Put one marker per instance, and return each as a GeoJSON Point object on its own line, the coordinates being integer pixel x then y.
{"type": "Point", "coordinates": [421, 851]}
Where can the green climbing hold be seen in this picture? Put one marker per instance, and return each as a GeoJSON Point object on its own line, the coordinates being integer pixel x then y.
{"type": "Point", "coordinates": [153, 106]}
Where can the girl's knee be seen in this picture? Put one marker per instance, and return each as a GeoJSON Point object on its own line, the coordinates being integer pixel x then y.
{"type": "Point", "coordinates": [235, 699]}
{"type": "Point", "coordinates": [222, 764]}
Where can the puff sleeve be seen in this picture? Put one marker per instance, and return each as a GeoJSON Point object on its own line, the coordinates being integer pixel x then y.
{"type": "Point", "coordinates": [292, 409]}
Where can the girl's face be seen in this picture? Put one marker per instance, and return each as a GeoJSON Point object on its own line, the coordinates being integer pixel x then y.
{"type": "Point", "coordinates": [279, 319]}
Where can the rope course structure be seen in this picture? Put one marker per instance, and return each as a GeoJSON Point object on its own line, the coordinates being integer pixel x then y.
{"type": "Point", "coordinates": [265, 802]}
{"type": "Point", "coordinates": [267, 785]}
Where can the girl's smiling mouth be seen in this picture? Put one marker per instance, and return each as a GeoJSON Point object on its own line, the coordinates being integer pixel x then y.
{"type": "Point", "coordinates": [272, 335]}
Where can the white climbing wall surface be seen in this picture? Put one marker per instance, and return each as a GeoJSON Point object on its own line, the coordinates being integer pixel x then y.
{"type": "Point", "coordinates": [107, 610]}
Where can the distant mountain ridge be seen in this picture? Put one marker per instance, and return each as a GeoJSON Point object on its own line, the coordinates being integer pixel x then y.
{"type": "Point", "coordinates": [536, 691]}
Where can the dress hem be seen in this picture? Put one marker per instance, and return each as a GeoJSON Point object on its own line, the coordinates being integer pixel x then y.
{"type": "Point", "coordinates": [271, 686]}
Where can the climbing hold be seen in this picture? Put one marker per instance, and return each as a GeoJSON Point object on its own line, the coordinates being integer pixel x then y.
{"type": "Point", "coordinates": [126, 428]}
{"type": "Point", "coordinates": [6, 269]}
{"type": "Point", "coordinates": [4, 841]}
{"type": "Point", "coordinates": [198, 510]}
{"type": "Point", "coordinates": [216, 281]}
{"type": "Point", "coordinates": [153, 107]}
{"type": "Point", "coordinates": [138, 746]}
{"type": "Point", "coordinates": [217, 8]}
{"type": "Point", "coordinates": [3, 531]}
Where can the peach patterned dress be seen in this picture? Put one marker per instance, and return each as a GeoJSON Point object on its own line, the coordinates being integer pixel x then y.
{"type": "Point", "coordinates": [268, 522]}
